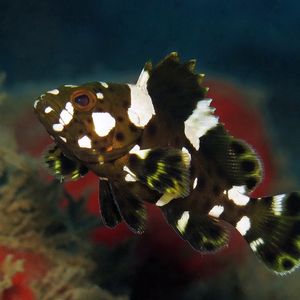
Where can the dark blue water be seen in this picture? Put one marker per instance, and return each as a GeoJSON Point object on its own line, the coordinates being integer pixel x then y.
{"type": "Point", "coordinates": [254, 42]}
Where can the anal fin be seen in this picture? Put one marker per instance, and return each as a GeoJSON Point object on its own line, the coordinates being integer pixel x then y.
{"type": "Point", "coordinates": [131, 208]}
{"type": "Point", "coordinates": [109, 210]}
{"type": "Point", "coordinates": [204, 233]}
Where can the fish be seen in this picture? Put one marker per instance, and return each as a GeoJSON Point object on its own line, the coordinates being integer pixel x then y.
{"type": "Point", "coordinates": [159, 141]}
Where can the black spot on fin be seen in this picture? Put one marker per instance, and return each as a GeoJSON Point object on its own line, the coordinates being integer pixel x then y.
{"type": "Point", "coordinates": [236, 160]}
{"type": "Point", "coordinates": [204, 233]}
{"type": "Point", "coordinates": [165, 170]}
{"type": "Point", "coordinates": [130, 207]}
{"type": "Point", "coordinates": [275, 231]}
{"type": "Point", "coordinates": [62, 167]}
{"type": "Point", "coordinates": [175, 88]}
{"type": "Point", "coordinates": [109, 210]}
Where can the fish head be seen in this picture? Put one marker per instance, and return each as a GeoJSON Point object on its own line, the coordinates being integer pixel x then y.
{"type": "Point", "coordinates": [89, 122]}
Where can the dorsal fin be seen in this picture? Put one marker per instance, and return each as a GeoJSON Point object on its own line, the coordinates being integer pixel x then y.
{"type": "Point", "coordinates": [174, 87]}
{"type": "Point", "coordinates": [235, 158]}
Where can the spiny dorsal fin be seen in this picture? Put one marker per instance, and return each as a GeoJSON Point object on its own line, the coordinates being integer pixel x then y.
{"type": "Point", "coordinates": [175, 88]}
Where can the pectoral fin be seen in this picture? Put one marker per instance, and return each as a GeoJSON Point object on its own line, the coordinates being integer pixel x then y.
{"type": "Point", "coordinates": [165, 170]}
{"type": "Point", "coordinates": [62, 167]}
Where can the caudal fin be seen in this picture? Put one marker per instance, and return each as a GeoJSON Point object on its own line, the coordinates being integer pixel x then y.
{"type": "Point", "coordinates": [274, 231]}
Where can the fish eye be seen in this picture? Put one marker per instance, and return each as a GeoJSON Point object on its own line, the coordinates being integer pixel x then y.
{"type": "Point", "coordinates": [83, 100]}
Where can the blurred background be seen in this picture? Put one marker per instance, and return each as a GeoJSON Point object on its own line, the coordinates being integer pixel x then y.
{"type": "Point", "coordinates": [250, 53]}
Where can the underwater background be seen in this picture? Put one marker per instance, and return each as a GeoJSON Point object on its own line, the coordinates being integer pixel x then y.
{"type": "Point", "coordinates": [52, 242]}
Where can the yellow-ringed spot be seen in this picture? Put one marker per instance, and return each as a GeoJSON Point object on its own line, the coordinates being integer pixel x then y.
{"type": "Point", "coordinates": [85, 142]}
{"type": "Point", "coordinates": [183, 221]}
{"type": "Point", "coordinates": [216, 211]}
{"type": "Point", "coordinates": [104, 84]}
{"type": "Point", "coordinates": [103, 123]}
{"type": "Point", "coordinates": [141, 109]}
{"type": "Point", "coordinates": [199, 122]}
{"type": "Point", "coordinates": [48, 110]}
{"type": "Point", "coordinates": [53, 92]}
{"type": "Point", "coordinates": [255, 244]}
{"type": "Point", "coordinates": [277, 204]}
{"type": "Point", "coordinates": [237, 195]}
{"type": "Point", "coordinates": [243, 225]}
{"type": "Point", "coordinates": [58, 127]}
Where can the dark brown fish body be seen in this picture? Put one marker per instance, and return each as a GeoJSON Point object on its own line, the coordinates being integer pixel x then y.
{"type": "Point", "coordinates": [159, 141]}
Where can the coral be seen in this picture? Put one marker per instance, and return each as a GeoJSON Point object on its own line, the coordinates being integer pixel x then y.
{"type": "Point", "coordinates": [44, 248]}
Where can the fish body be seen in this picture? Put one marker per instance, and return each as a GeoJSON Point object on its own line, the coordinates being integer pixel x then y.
{"type": "Point", "coordinates": [160, 141]}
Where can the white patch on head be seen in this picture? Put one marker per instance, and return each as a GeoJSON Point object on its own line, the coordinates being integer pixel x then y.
{"type": "Point", "coordinates": [35, 103]}
{"type": "Point", "coordinates": [183, 221]}
{"type": "Point", "coordinates": [66, 114]}
{"type": "Point", "coordinates": [255, 244]}
{"type": "Point", "coordinates": [58, 127]}
{"type": "Point", "coordinates": [103, 122]}
{"type": "Point", "coordinates": [48, 109]}
{"type": "Point", "coordinates": [199, 122]}
{"type": "Point", "coordinates": [85, 142]}
{"type": "Point", "coordinates": [99, 95]}
{"type": "Point", "coordinates": [53, 92]}
{"type": "Point", "coordinates": [243, 225]}
{"type": "Point", "coordinates": [237, 195]}
{"type": "Point", "coordinates": [141, 110]}
{"type": "Point", "coordinates": [69, 107]}
{"type": "Point", "coordinates": [65, 117]}
{"type": "Point", "coordinates": [70, 85]}
{"type": "Point", "coordinates": [277, 204]}
{"type": "Point", "coordinates": [216, 211]}
{"type": "Point", "coordinates": [104, 84]}
{"type": "Point", "coordinates": [195, 183]}
{"type": "Point", "coordinates": [63, 138]}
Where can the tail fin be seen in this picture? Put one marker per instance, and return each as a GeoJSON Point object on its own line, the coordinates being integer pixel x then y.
{"type": "Point", "coordinates": [274, 233]}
